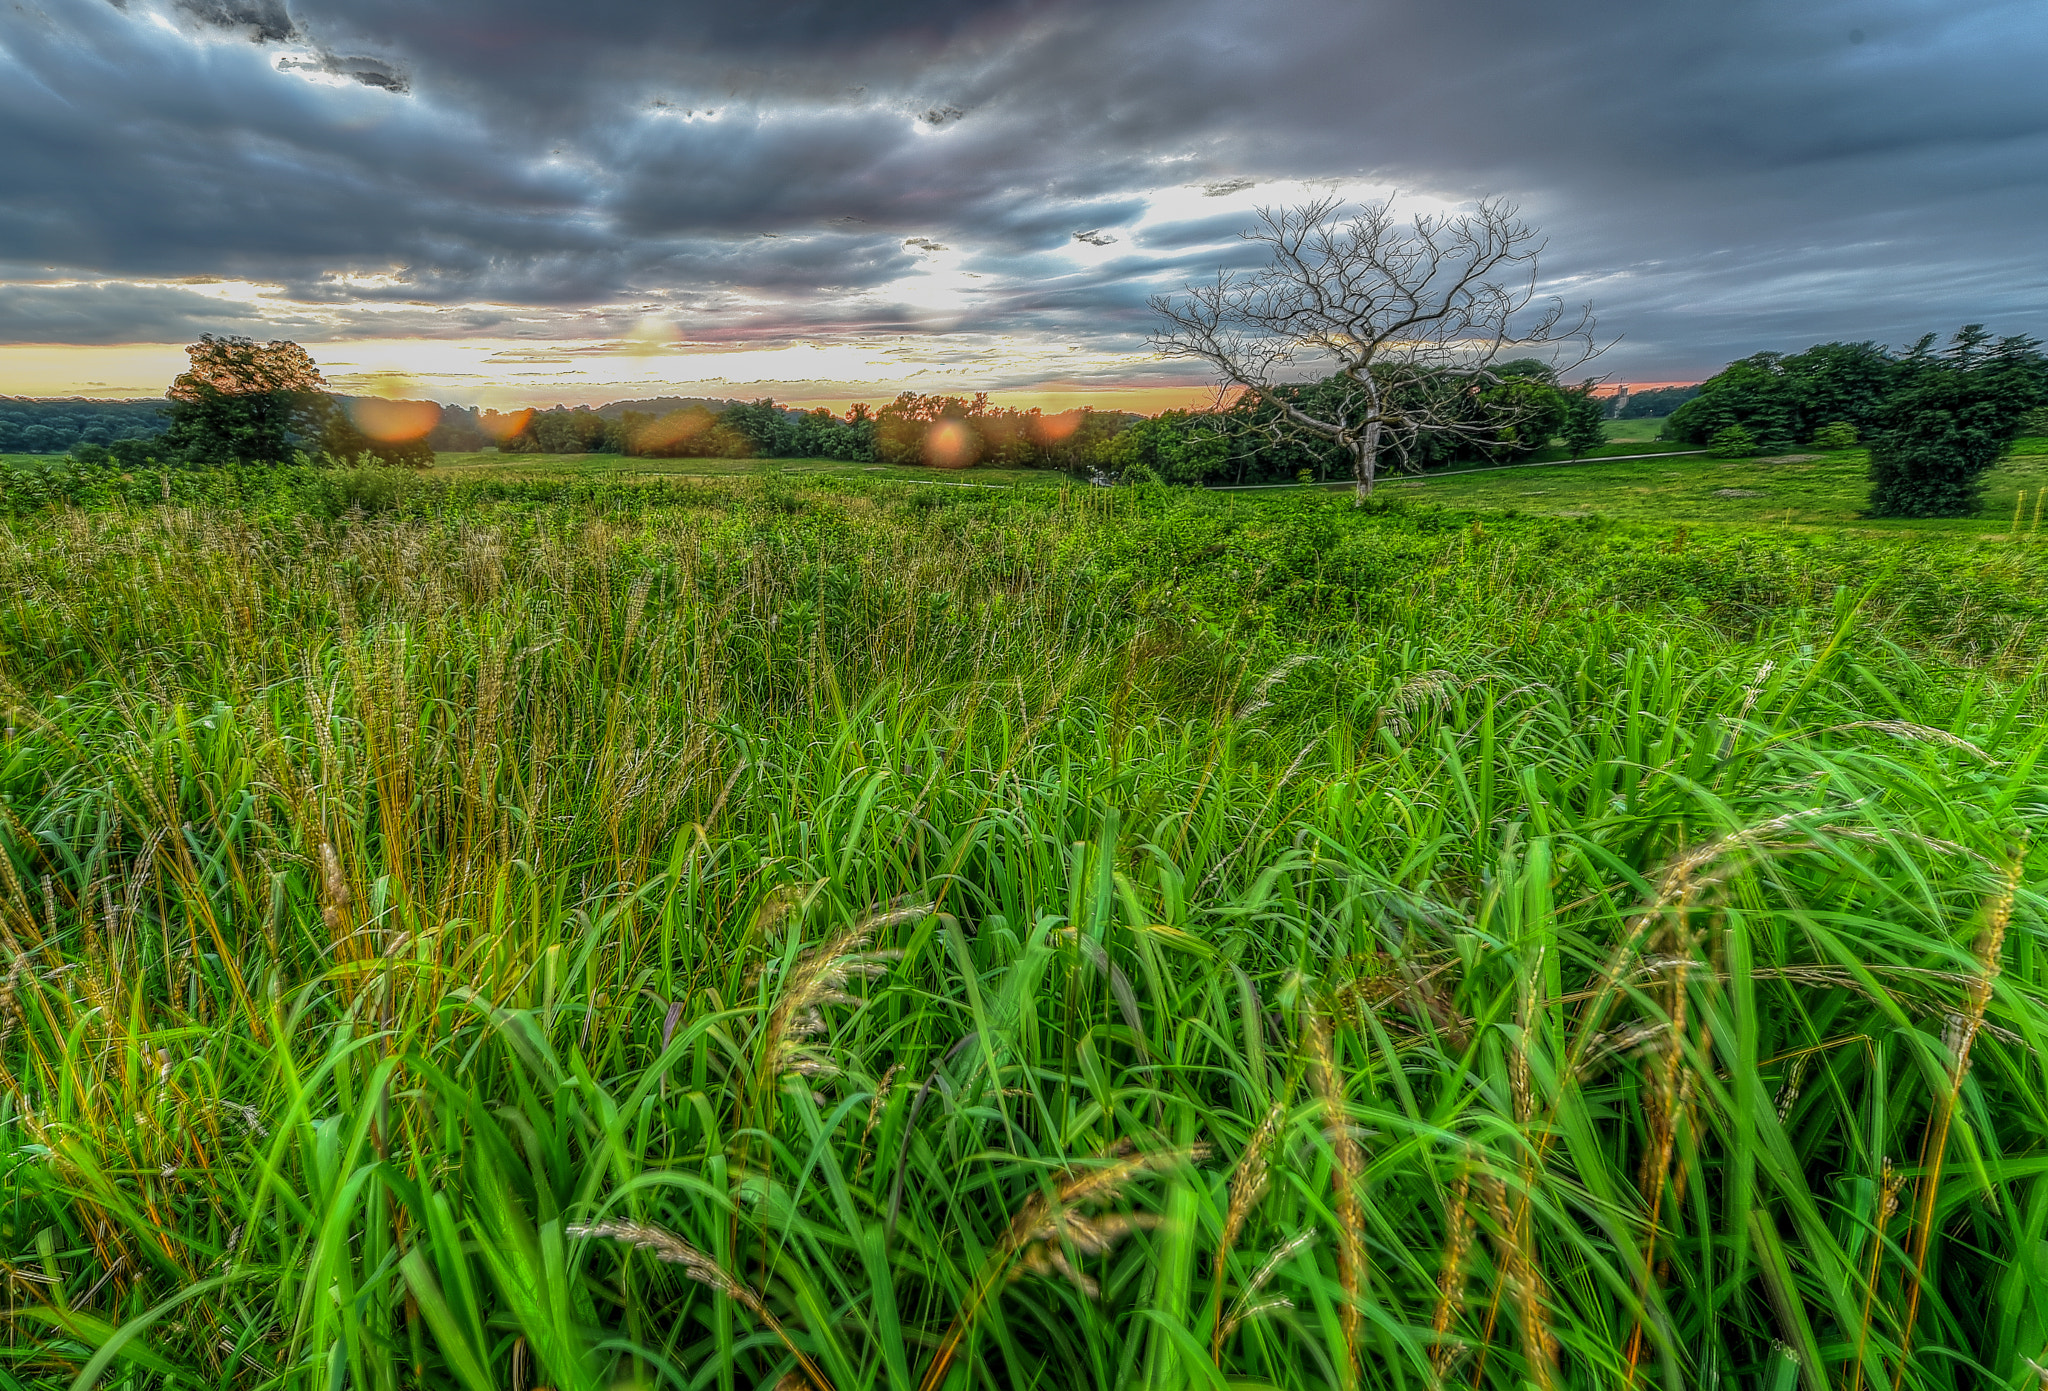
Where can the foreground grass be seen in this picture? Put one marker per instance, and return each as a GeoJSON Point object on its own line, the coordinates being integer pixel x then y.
{"type": "Point", "coordinates": [715, 933]}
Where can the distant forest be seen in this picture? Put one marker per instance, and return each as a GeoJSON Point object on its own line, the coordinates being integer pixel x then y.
{"type": "Point", "coordinates": [38, 425]}
{"type": "Point", "coordinates": [1653, 404]}
{"type": "Point", "coordinates": [31, 425]}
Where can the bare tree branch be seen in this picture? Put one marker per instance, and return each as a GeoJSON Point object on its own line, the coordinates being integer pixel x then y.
{"type": "Point", "coordinates": [1412, 315]}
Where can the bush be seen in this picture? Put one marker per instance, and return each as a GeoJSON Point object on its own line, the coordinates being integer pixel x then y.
{"type": "Point", "coordinates": [1731, 442]}
{"type": "Point", "coordinates": [1836, 434]}
{"type": "Point", "coordinates": [1935, 440]}
{"type": "Point", "coordinates": [1933, 446]}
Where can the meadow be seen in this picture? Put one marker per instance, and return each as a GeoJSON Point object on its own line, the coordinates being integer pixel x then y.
{"type": "Point", "coordinates": [606, 931]}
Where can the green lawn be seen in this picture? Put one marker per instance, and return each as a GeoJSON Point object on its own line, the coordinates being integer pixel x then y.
{"type": "Point", "coordinates": [1802, 489]}
{"type": "Point", "coordinates": [1636, 431]}
{"type": "Point", "coordinates": [1806, 488]}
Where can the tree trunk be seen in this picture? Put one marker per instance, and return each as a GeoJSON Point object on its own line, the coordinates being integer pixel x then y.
{"type": "Point", "coordinates": [1365, 463]}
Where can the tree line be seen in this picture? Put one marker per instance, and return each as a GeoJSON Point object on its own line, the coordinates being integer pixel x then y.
{"type": "Point", "coordinates": [1935, 419]}
{"type": "Point", "coordinates": [1653, 404]}
{"type": "Point", "coordinates": [32, 426]}
{"type": "Point", "coordinates": [935, 430]}
{"type": "Point", "coordinates": [242, 402]}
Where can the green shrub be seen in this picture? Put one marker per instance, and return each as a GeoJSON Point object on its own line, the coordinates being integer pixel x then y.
{"type": "Point", "coordinates": [1731, 442]}
{"type": "Point", "coordinates": [1837, 434]}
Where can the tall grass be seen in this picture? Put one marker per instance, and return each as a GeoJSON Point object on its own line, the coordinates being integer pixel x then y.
{"type": "Point", "coordinates": [835, 939]}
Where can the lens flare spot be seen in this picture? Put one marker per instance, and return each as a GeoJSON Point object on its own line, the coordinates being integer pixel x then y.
{"type": "Point", "coordinates": [393, 422]}
{"type": "Point", "coordinates": [1051, 429]}
{"type": "Point", "coordinates": [950, 444]}
{"type": "Point", "coordinates": [504, 427]}
{"type": "Point", "coordinates": [672, 430]}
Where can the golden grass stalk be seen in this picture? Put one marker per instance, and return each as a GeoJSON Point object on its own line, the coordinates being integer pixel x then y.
{"type": "Point", "coordinates": [1043, 1222]}
{"type": "Point", "coordinates": [1990, 955]}
{"type": "Point", "coordinates": [1045, 1252]}
{"type": "Point", "coordinates": [1525, 1284]}
{"type": "Point", "coordinates": [1450, 1280]}
{"type": "Point", "coordinates": [1887, 1204]}
{"type": "Point", "coordinates": [672, 1249]}
{"type": "Point", "coordinates": [1347, 1171]}
{"type": "Point", "coordinates": [818, 980]}
{"type": "Point", "coordinates": [1242, 1309]}
{"type": "Point", "coordinates": [1663, 1098]}
{"type": "Point", "coordinates": [1248, 1184]}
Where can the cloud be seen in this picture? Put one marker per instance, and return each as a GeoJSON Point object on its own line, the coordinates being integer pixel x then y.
{"type": "Point", "coordinates": [264, 21]}
{"type": "Point", "coordinates": [371, 72]}
{"type": "Point", "coordinates": [120, 313]}
{"type": "Point", "coordinates": [1716, 179]}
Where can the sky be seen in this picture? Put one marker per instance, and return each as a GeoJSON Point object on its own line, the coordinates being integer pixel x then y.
{"type": "Point", "coordinates": [527, 201]}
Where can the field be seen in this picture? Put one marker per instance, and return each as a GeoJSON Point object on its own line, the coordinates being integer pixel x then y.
{"type": "Point", "coordinates": [591, 466]}
{"type": "Point", "coordinates": [1641, 432]}
{"type": "Point", "coordinates": [1805, 489]}
{"type": "Point", "coordinates": [731, 932]}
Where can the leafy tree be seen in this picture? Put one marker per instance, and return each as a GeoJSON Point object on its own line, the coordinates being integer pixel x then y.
{"type": "Point", "coordinates": [1185, 447]}
{"type": "Point", "coordinates": [1958, 414]}
{"type": "Point", "coordinates": [458, 431]}
{"type": "Point", "coordinates": [1585, 421]}
{"type": "Point", "coordinates": [822, 435]}
{"type": "Point", "coordinates": [768, 430]}
{"type": "Point", "coordinates": [1782, 398]}
{"type": "Point", "coordinates": [244, 402]}
{"type": "Point", "coordinates": [918, 429]}
{"type": "Point", "coordinates": [566, 431]}
{"type": "Point", "coordinates": [131, 454]}
{"type": "Point", "coordinates": [691, 432]}
{"type": "Point", "coordinates": [1514, 419]}
{"type": "Point", "coordinates": [1836, 434]}
{"type": "Point", "coordinates": [61, 424]}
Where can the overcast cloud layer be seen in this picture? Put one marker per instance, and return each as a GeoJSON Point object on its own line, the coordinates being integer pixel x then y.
{"type": "Point", "coordinates": [982, 195]}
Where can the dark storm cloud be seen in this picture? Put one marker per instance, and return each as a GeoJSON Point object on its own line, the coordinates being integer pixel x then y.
{"type": "Point", "coordinates": [264, 21]}
{"type": "Point", "coordinates": [117, 314]}
{"type": "Point", "coordinates": [1717, 179]}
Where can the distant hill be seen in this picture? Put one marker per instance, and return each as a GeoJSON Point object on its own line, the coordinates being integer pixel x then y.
{"type": "Point", "coordinates": [662, 405]}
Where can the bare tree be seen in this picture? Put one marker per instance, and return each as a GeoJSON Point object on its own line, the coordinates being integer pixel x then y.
{"type": "Point", "coordinates": [1409, 318]}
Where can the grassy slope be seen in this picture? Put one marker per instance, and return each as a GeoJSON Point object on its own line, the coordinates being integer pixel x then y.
{"type": "Point", "coordinates": [1802, 490]}
{"type": "Point", "coordinates": [1641, 432]}
{"type": "Point", "coordinates": [411, 913]}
